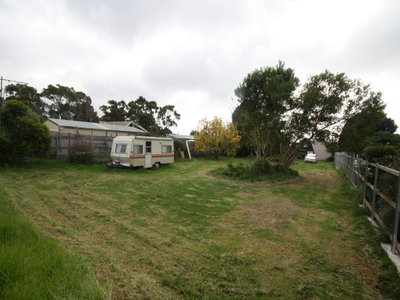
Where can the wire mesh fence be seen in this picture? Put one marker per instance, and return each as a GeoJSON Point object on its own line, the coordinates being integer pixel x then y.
{"type": "Point", "coordinates": [381, 192]}
{"type": "Point", "coordinates": [61, 144]}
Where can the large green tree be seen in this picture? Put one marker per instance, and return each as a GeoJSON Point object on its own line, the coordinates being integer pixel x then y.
{"type": "Point", "coordinates": [265, 96]}
{"type": "Point", "coordinates": [324, 103]}
{"type": "Point", "coordinates": [114, 111]}
{"type": "Point", "coordinates": [28, 95]}
{"type": "Point", "coordinates": [357, 129]}
{"type": "Point", "coordinates": [158, 120]}
{"type": "Point", "coordinates": [278, 116]}
{"type": "Point", "coordinates": [68, 104]}
{"type": "Point", "coordinates": [387, 125]}
{"type": "Point", "coordinates": [383, 147]}
{"type": "Point", "coordinates": [23, 134]}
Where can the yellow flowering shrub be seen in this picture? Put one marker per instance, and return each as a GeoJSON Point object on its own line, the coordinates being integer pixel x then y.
{"type": "Point", "coordinates": [217, 137]}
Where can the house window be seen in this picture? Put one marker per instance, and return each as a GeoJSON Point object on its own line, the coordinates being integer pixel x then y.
{"type": "Point", "coordinates": [137, 149]}
{"type": "Point", "coordinates": [166, 149]}
{"type": "Point", "coordinates": [120, 148]}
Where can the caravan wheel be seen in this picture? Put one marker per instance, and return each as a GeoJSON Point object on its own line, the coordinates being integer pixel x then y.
{"type": "Point", "coordinates": [157, 165]}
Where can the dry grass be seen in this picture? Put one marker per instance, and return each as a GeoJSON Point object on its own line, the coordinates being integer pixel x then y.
{"type": "Point", "coordinates": [178, 232]}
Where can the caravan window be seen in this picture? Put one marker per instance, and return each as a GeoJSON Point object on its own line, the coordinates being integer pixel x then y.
{"type": "Point", "coordinates": [148, 147]}
{"type": "Point", "coordinates": [166, 149]}
{"type": "Point", "coordinates": [137, 149]}
{"type": "Point", "coordinates": [120, 148]}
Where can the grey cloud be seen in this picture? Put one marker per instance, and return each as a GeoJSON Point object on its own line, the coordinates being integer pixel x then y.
{"type": "Point", "coordinates": [126, 21]}
{"type": "Point", "coordinates": [377, 46]}
{"type": "Point", "coordinates": [120, 49]}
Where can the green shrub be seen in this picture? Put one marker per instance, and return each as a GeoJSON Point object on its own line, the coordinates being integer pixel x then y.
{"type": "Point", "coordinates": [261, 166]}
{"type": "Point", "coordinates": [302, 154]}
{"type": "Point", "coordinates": [255, 172]}
{"type": "Point", "coordinates": [235, 170]}
{"type": "Point", "coordinates": [81, 157]}
{"type": "Point", "coordinates": [383, 154]}
{"type": "Point", "coordinates": [378, 151]}
{"type": "Point", "coordinates": [81, 153]}
{"type": "Point", "coordinates": [23, 135]}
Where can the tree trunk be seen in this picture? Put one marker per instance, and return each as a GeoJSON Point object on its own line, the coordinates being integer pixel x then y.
{"type": "Point", "coordinates": [259, 164]}
{"type": "Point", "coordinates": [286, 160]}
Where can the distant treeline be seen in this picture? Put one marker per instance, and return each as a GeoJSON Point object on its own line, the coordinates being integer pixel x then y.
{"type": "Point", "coordinates": [62, 102]}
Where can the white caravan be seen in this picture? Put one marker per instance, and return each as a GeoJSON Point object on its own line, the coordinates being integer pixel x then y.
{"type": "Point", "coordinates": [142, 151]}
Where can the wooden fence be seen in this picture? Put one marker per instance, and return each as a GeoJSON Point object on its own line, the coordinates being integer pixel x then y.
{"type": "Point", "coordinates": [61, 143]}
{"type": "Point", "coordinates": [381, 192]}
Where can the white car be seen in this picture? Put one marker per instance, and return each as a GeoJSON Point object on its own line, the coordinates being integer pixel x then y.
{"type": "Point", "coordinates": [311, 158]}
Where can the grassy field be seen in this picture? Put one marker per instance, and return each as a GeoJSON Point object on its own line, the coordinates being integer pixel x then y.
{"type": "Point", "coordinates": [32, 266]}
{"type": "Point", "coordinates": [179, 232]}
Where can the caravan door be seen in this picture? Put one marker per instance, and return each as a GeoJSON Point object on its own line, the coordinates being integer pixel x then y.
{"type": "Point", "coordinates": [147, 155]}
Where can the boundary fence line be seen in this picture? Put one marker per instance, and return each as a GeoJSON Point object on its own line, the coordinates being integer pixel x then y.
{"type": "Point", "coordinates": [62, 142]}
{"type": "Point", "coordinates": [381, 192]}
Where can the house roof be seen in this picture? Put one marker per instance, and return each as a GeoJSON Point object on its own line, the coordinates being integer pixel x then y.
{"type": "Point", "coordinates": [121, 123]}
{"type": "Point", "coordinates": [124, 123]}
{"type": "Point", "coordinates": [94, 126]}
{"type": "Point", "coordinates": [320, 149]}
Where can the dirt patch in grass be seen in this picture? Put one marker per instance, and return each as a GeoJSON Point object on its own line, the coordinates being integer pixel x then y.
{"type": "Point", "coordinates": [190, 195]}
{"type": "Point", "coordinates": [245, 195]}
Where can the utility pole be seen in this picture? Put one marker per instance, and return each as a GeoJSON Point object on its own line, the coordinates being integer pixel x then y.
{"type": "Point", "coordinates": [1, 91]}
{"type": "Point", "coordinates": [7, 80]}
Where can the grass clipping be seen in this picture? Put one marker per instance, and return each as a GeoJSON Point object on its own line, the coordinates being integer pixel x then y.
{"type": "Point", "coordinates": [255, 171]}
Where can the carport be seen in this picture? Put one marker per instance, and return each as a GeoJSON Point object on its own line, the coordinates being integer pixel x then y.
{"type": "Point", "coordinates": [183, 139]}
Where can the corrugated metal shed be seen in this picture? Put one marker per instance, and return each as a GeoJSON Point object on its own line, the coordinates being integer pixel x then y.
{"type": "Point", "coordinates": [124, 123]}
{"type": "Point", "coordinates": [94, 126]}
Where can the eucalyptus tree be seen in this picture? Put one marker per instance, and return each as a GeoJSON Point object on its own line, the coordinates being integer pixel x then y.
{"type": "Point", "coordinates": [66, 103]}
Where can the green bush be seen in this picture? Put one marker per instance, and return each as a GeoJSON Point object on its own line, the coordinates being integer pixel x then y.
{"type": "Point", "coordinates": [255, 172]}
{"type": "Point", "coordinates": [235, 170]}
{"type": "Point", "coordinates": [302, 154]}
{"type": "Point", "coordinates": [22, 134]}
{"type": "Point", "coordinates": [81, 153]}
{"type": "Point", "coordinates": [261, 166]}
{"type": "Point", "coordinates": [81, 157]}
{"type": "Point", "coordinates": [380, 151]}
{"type": "Point", "coordinates": [384, 154]}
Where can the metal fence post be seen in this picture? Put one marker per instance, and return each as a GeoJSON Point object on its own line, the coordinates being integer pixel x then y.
{"type": "Point", "coordinates": [352, 170]}
{"type": "Point", "coordinates": [91, 143]}
{"type": "Point", "coordinates": [58, 142]}
{"type": "Point", "coordinates": [69, 142]}
{"type": "Point", "coordinates": [374, 194]}
{"type": "Point", "coordinates": [365, 183]}
{"type": "Point", "coordinates": [396, 218]}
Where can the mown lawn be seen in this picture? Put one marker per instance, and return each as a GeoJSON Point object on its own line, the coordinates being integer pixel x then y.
{"type": "Point", "coordinates": [179, 232]}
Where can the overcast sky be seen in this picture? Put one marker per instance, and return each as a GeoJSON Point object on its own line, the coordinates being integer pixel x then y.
{"type": "Point", "coordinates": [193, 54]}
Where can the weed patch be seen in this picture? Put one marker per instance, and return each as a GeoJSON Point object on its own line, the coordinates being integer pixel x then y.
{"type": "Point", "coordinates": [248, 172]}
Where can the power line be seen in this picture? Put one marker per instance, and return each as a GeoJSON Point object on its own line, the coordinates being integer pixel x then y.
{"type": "Point", "coordinates": [7, 80]}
